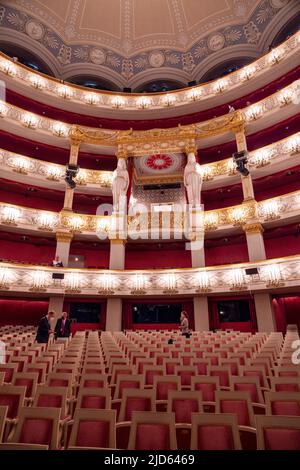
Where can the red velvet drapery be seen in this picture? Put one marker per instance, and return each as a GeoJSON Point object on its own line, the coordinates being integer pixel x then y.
{"type": "Point", "coordinates": [287, 311]}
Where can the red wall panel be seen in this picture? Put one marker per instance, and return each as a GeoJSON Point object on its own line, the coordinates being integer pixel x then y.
{"type": "Point", "coordinates": [93, 258]}
{"type": "Point", "coordinates": [157, 259]}
{"type": "Point", "coordinates": [22, 312]}
{"type": "Point", "coordinates": [282, 246]}
{"type": "Point", "coordinates": [26, 252]}
{"type": "Point", "coordinates": [226, 254]}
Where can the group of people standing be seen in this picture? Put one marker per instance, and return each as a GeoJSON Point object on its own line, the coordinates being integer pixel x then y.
{"type": "Point", "coordinates": [62, 328]}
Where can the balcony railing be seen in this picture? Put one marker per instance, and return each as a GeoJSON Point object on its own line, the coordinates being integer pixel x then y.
{"type": "Point", "coordinates": [272, 274]}
{"type": "Point", "coordinates": [108, 100]}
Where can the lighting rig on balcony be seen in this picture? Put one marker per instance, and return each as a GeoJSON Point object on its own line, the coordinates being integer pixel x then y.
{"type": "Point", "coordinates": [241, 159]}
{"type": "Point", "coordinates": [71, 173]}
{"type": "Point", "coordinates": [170, 283]}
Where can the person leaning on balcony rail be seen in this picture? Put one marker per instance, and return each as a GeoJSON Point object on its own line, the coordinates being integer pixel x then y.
{"type": "Point", "coordinates": [57, 263]}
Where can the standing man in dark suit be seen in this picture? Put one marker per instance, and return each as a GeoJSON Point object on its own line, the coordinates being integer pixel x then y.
{"type": "Point", "coordinates": [44, 328]}
{"type": "Point", "coordinates": [63, 326]}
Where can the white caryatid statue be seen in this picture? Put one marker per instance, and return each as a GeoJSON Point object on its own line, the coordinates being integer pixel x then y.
{"type": "Point", "coordinates": [193, 180]}
{"type": "Point", "coordinates": [120, 183]}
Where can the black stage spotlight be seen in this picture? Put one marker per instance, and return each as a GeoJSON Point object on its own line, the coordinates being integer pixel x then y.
{"type": "Point", "coordinates": [71, 173]}
{"type": "Point", "coordinates": [241, 159]}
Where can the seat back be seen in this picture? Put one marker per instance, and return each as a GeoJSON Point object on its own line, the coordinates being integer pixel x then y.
{"type": "Point", "coordinates": [283, 403]}
{"type": "Point", "coordinates": [163, 384]}
{"type": "Point", "coordinates": [95, 398]}
{"type": "Point", "coordinates": [183, 404]}
{"type": "Point", "coordinates": [136, 400]}
{"type": "Point", "coordinates": [52, 397]}
{"type": "Point", "coordinates": [8, 371]}
{"type": "Point", "coordinates": [277, 432]}
{"type": "Point", "coordinates": [3, 414]}
{"type": "Point", "coordinates": [207, 385]}
{"type": "Point", "coordinates": [152, 431]}
{"type": "Point", "coordinates": [247, 384]}
{"type": "Point", "coordinates": [93, 429]}
{"type": "Point", "coordinates": [28, 380]}
{"type": "Point", "coordinates": [285, 384]}
{"type": "Point", "coordinates": [215, 432]}
{"type": "Point", "coordinates": [38, 426]}
{"type": "Point", "coordinates": [238, 403]}
{"type": "Point", "coordinates": [93, 381]}
{"type": "Point", "coordinates": [13, 397]}
{"type": "Point", "coordinates": [127, 381]}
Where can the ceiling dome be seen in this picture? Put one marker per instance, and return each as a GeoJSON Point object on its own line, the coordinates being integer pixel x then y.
{"type": "Point", "coordinates": [130, 42]}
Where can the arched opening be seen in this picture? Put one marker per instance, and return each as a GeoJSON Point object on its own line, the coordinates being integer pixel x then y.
{"type": "Point", "coordinates": [93, 82]}
{"type": "Point", "coordinates": [159, 86]}
{"type": "Point", "coordinates": [27, 58]}
{"type": "Point", "coordinates": [225, 68]}
{"type": "Point", "coordinates": [286, 31]}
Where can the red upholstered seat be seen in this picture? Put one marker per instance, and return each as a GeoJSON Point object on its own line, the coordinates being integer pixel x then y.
{"type": "Point", "coordinates": [282, 439]}
{"type": "Point", "coordinates": [136, 404]}
{"type": "Point", "coordinates": [285, 408]}
{"type": "Point", "coordinates": [36, 431]}
{"type": "Point", "coordinates": [184, 408]}
{"type": "Point", "coordinates": [215, 438]}
{"type": "Point", "coordinates": [163, 388]}
{"type": "Point", "coordinates": [96, 402]}
{"type": "Point", "coordinates": [49, 401]}
{"type": "Point", "coordinates": [93, 434]}
{"type": "Point", "coordinates": [237, 407]}
{"type": "Point", "coordinates": [152, 437]}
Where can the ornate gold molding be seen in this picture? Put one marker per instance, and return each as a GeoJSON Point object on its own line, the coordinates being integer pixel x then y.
{"type": "Point", "coordinates": [253, 228]}
{"type": "Point", "coordinates": [65, 237]}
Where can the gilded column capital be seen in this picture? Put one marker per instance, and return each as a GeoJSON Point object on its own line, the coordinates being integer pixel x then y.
{"type": "Point", "coordinates": [65, 237]}
{"type": "Point", "coordinates": [191, 148]}
{"type": "Point", "coordinates": [253, 228]}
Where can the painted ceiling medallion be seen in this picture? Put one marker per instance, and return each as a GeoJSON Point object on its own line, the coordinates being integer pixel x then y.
{"type": "Point", "coordinates": [159, 162]}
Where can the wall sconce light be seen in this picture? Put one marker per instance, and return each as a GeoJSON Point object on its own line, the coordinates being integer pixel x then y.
{"type": "Point", "coordinates": [254, 112]}
{"type": "Point", "coordinates": [21, 165]}
{"type": "Point", "coordinates": [270, 210]}
{"type": "Point", "coordinates": [72, 282]}
{"type": "Point", "coordinates": [202, 282]}
{"type": "Point", "coordinates": [47, 221]}
{"type": "Point", "coordinates": [40, 281]}
{"type": "Point", "coordinates": [285, 97]}
{"type": "Point", "coordinates": [143, 102]}
{"type": "Point", "coordinates": [59, 129]}
{"type": "Point", "coordinates": [276, 55]}
{"type": "Point", "coordinates": [247, 72]}
{"type": "Point", "coordinates": [238, 216]}
{"type": "Point", "coordinates": [91, 98]}
{"type": "Point", "coordinates": [261, 158]}
{"type": "Point", "coordinates": [54, 173]}
{"type": "Point", "coordinates": [211, 221]}
{"type": "Point", "coordinates": [207, 172]}
{"type": "Point", "coordinates": [29, 120]}
{"type": "Point", "coordinates": [169, 100]}
{"type": "Point", "coordinates": [293, 143]}
{"type": "Point", "coordinates": [273, 276]}
{"type": "Point", "coordinates": [8, 68]}
{"type": "Point", "coordinates": [138, 284]}
{"type": "Point", "coordinates": [3, 109]}
{"type": "Point", "coordinates": [117, 102]}
{"type": "Point", "coordinates": [76, 223]}
{"type": "Point", "coordinates": [10, 215]}
{"type": "Point", "coordinates": [237, 279]}
{"type": "Point", "coordinates": [220, 86]}
{"type": "Point", "coordinates": [170, 283]}
{"type": "Point", "coordinates": [6, 278]}
{"type": "Point", "coordinates": [105, 284]}
{"type": "Point", "coordinates": [37, 82]}
{"type": "Point", "coordinates": [65, 92]}
{"type": "Point", "coordinates": [194, 94]}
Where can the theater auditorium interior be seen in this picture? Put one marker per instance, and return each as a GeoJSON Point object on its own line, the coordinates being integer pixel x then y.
{"type": "Point", "coordinates": [149, 225]}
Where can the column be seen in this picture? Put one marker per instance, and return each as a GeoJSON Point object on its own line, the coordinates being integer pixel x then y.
{"type": "Point", "coordinates": [117, 254]}
{"type": "Point", "coordinates": [201, 314]}
{"type": "Point", "coordinates": [63, 244]}
{"type": "Point", "coordinates": [241, 144]}
{"type": "Point", "coordinates": [197, 253]}
{"type": "Point", "coordinates": [264, 313]}
{"type": "Point", "coordinates": [69, 193]}
{"type": "Point", "coordinates": [255, 241]}
{"type": "Point", "coordinates": [114, 315]}
{"type": "Point", "coordinates": [56, 304]}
